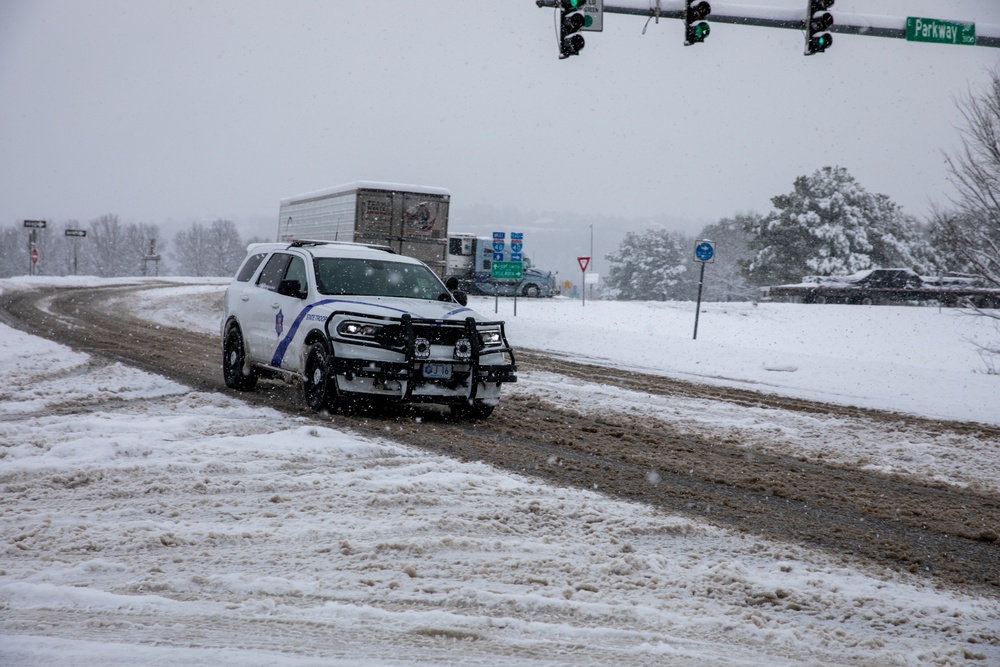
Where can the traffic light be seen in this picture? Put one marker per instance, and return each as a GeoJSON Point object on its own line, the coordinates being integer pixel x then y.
{"type": "Point", "coordinates": [571, 20]}
{"type": "Point", "coordinates": [817, 22]}
{"type": "Point", "coordinates": [695, 27]}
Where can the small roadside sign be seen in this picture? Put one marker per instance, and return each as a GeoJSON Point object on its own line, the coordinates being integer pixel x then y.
{"type": "Point", "coordinates": [704, 251]}
{"type": "Point", "coordinates": [34, 255]}
{"type": "Point", "coordinates": [593, 13]}
{"type": "Point", "coordinates": [76, 232]}
{"type": "Point", "coordinates": [516, 242]}
{"type": "Point", "coordinates": [35, 224]}
{"type": "Point", "coordinates": [584, 262]}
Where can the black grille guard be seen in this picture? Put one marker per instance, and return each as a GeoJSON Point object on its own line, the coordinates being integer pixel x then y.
{"type": "Point", "coordinates": [409, 370]}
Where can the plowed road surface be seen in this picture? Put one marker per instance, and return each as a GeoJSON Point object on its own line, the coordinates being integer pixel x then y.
{"type": "Point", "coordinates": [939, 531]}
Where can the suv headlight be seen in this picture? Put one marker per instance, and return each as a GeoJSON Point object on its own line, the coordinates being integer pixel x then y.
{"type": "Point", "coordinates": [351, 329]}
{"type": "Point", "coordinates": [490, 338]}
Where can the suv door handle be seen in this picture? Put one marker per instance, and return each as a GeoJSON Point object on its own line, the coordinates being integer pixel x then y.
{"type": "Point", "coordinates": [245, 297]}
{"type": "Point", "coordinates": [275, 305]}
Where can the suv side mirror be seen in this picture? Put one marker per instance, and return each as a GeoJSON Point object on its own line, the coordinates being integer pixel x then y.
{"type": "Point", "coordinates": [291, 288]}
{"type": "Point", "coordinates": [460, 296]}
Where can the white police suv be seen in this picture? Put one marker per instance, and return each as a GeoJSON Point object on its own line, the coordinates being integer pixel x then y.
{"type": "Point", "coordinates": [354, 321]}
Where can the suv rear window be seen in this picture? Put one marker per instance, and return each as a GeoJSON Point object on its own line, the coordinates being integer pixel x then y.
{"type": "Point", "coordinates": [274, 271]}
{"type": "Point", "coordinates": [249, 267]}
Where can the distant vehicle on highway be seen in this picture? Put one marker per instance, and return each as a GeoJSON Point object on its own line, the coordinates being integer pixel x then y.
{"type": "Point", "coordinates": [470, 259]}
{"type": "Point", "coordinates": [351, 321]}
{"type": "Point", "coordinates": [882, 286]}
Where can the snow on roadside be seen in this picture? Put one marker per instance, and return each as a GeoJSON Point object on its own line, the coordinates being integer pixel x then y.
{"type": "Point", "coordinates": [966, 460]}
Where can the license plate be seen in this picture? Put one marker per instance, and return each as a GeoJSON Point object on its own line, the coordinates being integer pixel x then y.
{"type": "Point", "coordinates": [437, 371]}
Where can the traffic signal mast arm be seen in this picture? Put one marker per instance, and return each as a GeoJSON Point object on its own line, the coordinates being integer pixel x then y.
{"type": "Point", "coordinates": [863, 25]}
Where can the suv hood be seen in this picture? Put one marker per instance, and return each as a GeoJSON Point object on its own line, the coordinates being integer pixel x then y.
{"type": "Point", "coordinates": [385, 306]}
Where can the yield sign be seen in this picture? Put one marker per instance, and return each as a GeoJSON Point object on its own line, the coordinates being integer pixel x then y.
{"type": "Point", "coordinates": [584, 263]}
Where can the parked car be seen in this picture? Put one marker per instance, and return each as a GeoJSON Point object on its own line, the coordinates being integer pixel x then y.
{"type": "Point", "coordinates": [352, 321]}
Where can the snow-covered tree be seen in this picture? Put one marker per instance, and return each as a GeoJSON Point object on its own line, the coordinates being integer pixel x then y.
{"type": "Point", "coordinates": [724, 280]}
{"type": "Point", "coordinates": [829, 224]}
{"type": "Point", "coordinates": [652, 265]}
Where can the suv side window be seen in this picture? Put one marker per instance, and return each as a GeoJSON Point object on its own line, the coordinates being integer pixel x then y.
{"type": "Point", "coordinates": [297, 271]}
{"type": "Point", "coordinates": [249, 267]}
{"type": "Point", "coordinates": [274, 271]}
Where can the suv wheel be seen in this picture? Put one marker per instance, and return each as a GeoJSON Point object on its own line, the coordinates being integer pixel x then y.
{"type": "Point", "coordinates": [234, 358]}
{"type": "Point", "coordinates": [320, 388]}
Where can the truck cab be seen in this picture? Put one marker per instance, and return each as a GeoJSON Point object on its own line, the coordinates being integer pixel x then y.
{"type": "Point", "coordinates": [470, 260]}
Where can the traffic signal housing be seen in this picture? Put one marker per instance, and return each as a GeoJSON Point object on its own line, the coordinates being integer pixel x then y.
{"type": "Point", "coordinates": [571, 20]}
{"type": "Point", "coordinates": [695, 27]}
{"type": "Point", "coordinates": [818, 20]}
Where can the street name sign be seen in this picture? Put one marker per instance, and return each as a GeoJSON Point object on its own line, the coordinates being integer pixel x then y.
{"type": "Point", "coordinates": [940, 32]}
{"type": "Point", "coordinates": [35, 224]}
{"type": "Point", "coordinates": [76, 232]}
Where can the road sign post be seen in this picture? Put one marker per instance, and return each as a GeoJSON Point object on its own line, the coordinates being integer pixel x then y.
{"type": "Point", "coordinates": [34, 226]}
{"type": "Point", "coordinates": [75, 233]}
{"type": "Point", "coordinates": [704, 252]}
{"type": "Point", "coordinates": [584, 262]}
{"type": "Point", "coordinates": [507, 265]}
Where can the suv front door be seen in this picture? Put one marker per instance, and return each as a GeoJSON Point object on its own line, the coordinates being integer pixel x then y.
{"type": "Point", "coordinates": [272, 312]}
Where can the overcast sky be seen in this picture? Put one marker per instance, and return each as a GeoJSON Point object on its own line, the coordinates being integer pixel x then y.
{"type": "Point", "coordinates": [161, 110]}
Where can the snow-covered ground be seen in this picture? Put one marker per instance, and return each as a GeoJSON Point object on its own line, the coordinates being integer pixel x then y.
{"type": "Point", "coordinates": [144, 522]}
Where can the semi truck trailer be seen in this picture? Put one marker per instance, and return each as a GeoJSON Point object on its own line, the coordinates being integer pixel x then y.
{"type": "Point", "coordinates": [411, 220]}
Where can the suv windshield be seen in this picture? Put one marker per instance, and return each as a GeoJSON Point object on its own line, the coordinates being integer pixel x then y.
{"type": "Point", "coordinates": [376, 277]}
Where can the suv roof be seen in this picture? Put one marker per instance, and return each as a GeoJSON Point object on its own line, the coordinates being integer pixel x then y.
{"type": "Point", "coordinates": [334, 249]}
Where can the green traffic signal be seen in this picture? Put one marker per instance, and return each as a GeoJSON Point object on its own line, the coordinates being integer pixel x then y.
{"type": "Point", "coordinates": [695, 28]}
{"type": "Point", "coordinates": [820, 43]}
{"type": "Point", "coordinates": [817, 21]}
{"type": "Point", "coordinates": [697, 33]}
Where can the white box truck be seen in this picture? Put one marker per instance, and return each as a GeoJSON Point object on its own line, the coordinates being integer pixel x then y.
{"type": "Point", "coordinates": [410, 219]}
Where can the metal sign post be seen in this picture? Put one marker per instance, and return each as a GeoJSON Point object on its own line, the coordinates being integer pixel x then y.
{"type": "Point", "coordinates": [704, 252]}
{"type": "Point", "coordinates": [34, 226]}
{"type": "Point", "coordinates": [584, 262]}
{"type": "Point", "coordinates": [75, 233]}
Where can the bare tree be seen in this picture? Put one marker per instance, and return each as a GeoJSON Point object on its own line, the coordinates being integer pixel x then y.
{"type": "Point", "coordinates": [972, 230]}
{"type": "Point", "coordinates": [208, 250]}
{"type": "Point", "coordinates": [116, 249]}
{"type": "Point", "coordinates": [188, 253]}
{"type": "Point", "coordinates": [225, 248]}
